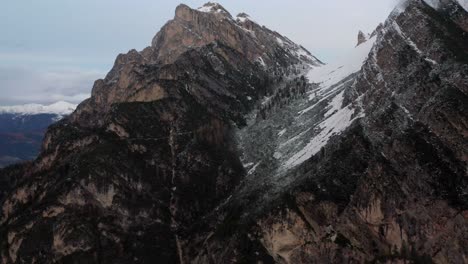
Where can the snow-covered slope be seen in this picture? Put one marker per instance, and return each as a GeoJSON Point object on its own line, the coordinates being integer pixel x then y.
{"type": "Point", "coordinates": [59, 108]}
{"type": "Point", "coordinates": [333, 73]}
{"type": "Point", "coordinates": [292, 133]}
{"type": "Point", "coordinates": [212, 7]}
{"type": "Point", "coordinates": [332, 79]}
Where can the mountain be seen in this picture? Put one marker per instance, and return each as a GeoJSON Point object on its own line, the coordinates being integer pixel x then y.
{"type": "Point", "coordinates": [60, 108]}
{"type": "Point", "coordinates": [225, 142]}
{"type": "Point", "coordinates": [22, 129]}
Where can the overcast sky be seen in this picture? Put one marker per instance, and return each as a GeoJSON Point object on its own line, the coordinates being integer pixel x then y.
{"type": "Point", "coordinates": [53, 50]}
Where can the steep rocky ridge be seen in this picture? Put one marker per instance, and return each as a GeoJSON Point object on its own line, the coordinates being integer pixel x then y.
{"type": "Point", "coordinates": [393, 186]}
{"type": "Point", "coordinates": [225, 150]}
{"type": "Point", "coordinates": [136, 165]}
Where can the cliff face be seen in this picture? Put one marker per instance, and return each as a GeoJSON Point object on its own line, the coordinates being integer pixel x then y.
{"type": "Point", "coordinates": [393, 186]}
{"type": "Point", "coordinates": [193, 28]}
{"type": "Point", "coordinates": [225, 142]}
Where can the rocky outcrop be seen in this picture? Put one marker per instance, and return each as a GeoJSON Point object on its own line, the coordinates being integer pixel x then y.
{"type": "Point", "coordinates": [361, 38]}
{"type": "Point", "coordinates": [189, 152]}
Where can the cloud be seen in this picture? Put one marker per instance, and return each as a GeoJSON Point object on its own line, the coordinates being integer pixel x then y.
{"type": "Point", "coordinates": [23, 85]}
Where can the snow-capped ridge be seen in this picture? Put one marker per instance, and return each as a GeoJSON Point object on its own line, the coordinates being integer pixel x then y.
{"type": "Point", "coordinates": [59, 108]}
{"type": "Point", "coordinates": [213, 7]}
{"type": "Point", "coordinates": [333, 73]}
{"type": "Point", "coordinates": [243, 17]}
{"type": "Point", "coordinates": [297, 50]}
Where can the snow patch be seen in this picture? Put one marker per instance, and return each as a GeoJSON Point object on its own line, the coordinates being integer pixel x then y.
{"type": "Point", "coordinates": [332, 79]}
{"type": "Point", "coordinates": [282, 132]}
{"type": "Point", "coordinates": [298, 51]}
{"type": "Point", "coordinates": [302, 53]}
{"type": "Point", "coordinates": [252, 170]}
{"type": "Point", "coordinates": [243, 17]}
{"type": "Point", "coordinates": [433, 3]}
{"type": "Point", "coordinates": [331, 74]}
{"type": "Point", "coordinates": [411, 43]}
{"type": "Point", "coordinates": [211, 7]}
{"type": "Point", "coordinates": [336, 121]}
{"type": "Point", "coordinates": [262, 62]}
{"type": "Point", "coordinates": [280, 41]}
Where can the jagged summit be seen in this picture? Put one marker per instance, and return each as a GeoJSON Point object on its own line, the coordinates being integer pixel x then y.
{"type": "Point", "coordinates": [361, 38]}
{"type": "Point", "coordinates": [194, 28]}
{"type": "Point", "coordinates": [243, 17]}
{"type": "Point", "coordinates": [193, 33]}
{"type": "Point", "coordinates": [212, 7]}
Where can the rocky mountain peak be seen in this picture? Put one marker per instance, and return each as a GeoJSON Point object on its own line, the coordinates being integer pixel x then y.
{"type": "Point", "coordinates": [182, 11]}
{"type": "Point", "coordinates": [242, 17]}
{"type": "Point", "coordinates": [192, 31]}
{"type": "Point", "coordinates": [212, 7]}
{"type": "Point", "coordinates": [245, 21]}
{"type": "Point", "coordinates": [194, 28]}
{"type": "Point", "coordinates": [361, 38]}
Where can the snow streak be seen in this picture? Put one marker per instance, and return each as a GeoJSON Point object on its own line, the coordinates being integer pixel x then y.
{"type": "Point", "coordinates": [291, 134]}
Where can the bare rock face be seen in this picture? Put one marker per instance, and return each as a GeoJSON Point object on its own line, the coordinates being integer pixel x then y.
{"type": "Point", "coordinates": [192, 28]}
{"type": "Point", "coordinates": [190, 31]}
{"type": "Point", "coordinates": [151, 168]}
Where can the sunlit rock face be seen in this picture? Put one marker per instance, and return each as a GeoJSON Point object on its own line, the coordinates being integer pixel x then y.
{"type": "Point", "coordinates": [225, 142]}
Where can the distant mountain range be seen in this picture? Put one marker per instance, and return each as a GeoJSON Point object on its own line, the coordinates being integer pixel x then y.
{"type": "Point", "coordinates": [22, 129]}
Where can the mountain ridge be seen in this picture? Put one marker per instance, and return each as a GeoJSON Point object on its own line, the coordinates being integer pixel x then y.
{"type": "Point", "coordinates": [181, 154]}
